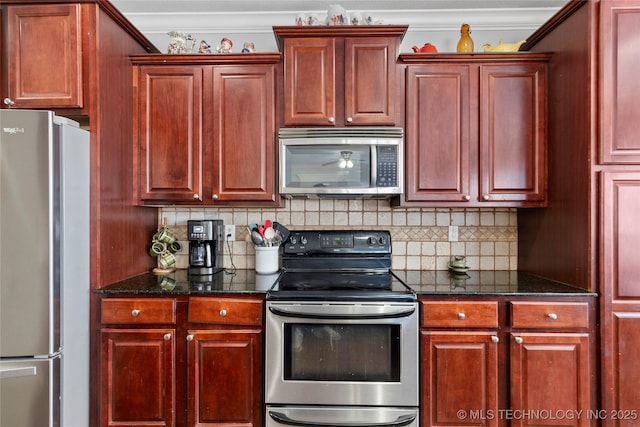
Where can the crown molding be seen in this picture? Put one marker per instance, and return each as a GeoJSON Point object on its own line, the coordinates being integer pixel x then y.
{"type": "Point", "coordinates": [518, 19]}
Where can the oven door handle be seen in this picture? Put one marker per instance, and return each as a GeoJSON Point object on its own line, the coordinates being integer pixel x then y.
{"type": "Point", "coordinates": [394, 313]}
{"type": "Point", "coordinates": [281, 418]}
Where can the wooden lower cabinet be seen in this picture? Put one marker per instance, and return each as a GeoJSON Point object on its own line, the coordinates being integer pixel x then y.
{"type": "Point", "coordinates": [550, 378]}
{"type": "Point", "coordinates": [505, 363]}
{"type": "Point", "coordinates": [459, 373]}
{"type": "Point", "coordinates": [138, 383]}
{"type": "Point", "coordinates": [181, 362]}
{"type": "Point", "coordinates": [224, 371]}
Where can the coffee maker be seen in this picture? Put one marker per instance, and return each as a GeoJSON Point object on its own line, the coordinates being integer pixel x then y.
{"type": "Point", "coordinates": [206, 238]}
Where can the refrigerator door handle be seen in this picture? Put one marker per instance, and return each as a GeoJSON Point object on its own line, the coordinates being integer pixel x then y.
{"type": "Point", "coordinates": [18, 372]}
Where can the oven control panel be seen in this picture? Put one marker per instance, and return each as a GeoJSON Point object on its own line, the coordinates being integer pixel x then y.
{"type": "Point", "coordinates": [338, 241]}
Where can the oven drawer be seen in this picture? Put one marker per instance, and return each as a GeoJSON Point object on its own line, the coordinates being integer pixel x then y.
{"type": "Point", "coordinates": [313, 416]}
{"type": "Point", "coordinates": [469, 314]}
{"type": "Point", "coordinates": [532, 314]}
{"type": "Point", "coordinates": [225, 311]}
{"type": "Point", "coordinates": [137, 310]}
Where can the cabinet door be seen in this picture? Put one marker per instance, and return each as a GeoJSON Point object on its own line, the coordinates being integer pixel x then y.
{"type": "Point", "coordinates": [550, 377]}
{"type": "Point", "coordinates": [513, 133]}
{"type": "Point", "coordinates": [169, 127]}
{"type": "Point", "coordinates": [371, 86]}
{"type": "Point", "coordinates": [459, 378]}
{"type": "Point", "coordinates": [620, 327]}
{"type": "Point", "coordinates": [310, 85]}
{"type": "Point", "coordinates": [137, 381]}
{"type": "Point", "coordinates": [244, 133]}
{"type": "Point", "coordinates": [620, 84]}
{"type": "Point", "coordinates": [225, 377]}
{"type": "Point", "coordinates": [45, 47]}
{"type": "Point", "coordinates": [437, 134]}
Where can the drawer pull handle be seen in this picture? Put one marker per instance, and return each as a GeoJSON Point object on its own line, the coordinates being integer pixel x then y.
{"type": "Point", "coordinates": [167, 337]}
{"type": "Point", "coordinates": [495, 339]}
{"type": "Point", "coordinates": [135, 312]}
{"type": "Point", "coordinates": [223, 312]}
{"type": "Point", "coordinates": [461, 316]}
{"type": "Point", "coordinates": [190, 337]}
{"type": "Point", "coordinates": [552, 316]}
{"type": "Point", "coordinates": [518, 340]}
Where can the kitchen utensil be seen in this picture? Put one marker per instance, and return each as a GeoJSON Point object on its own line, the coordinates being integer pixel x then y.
{"type": "Point", "coordinates": [257, 238]}
{"type": "Point", "coordinates": [281, 230]}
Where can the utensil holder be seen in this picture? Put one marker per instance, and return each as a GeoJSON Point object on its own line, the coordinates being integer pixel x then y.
{"type": "Point", "coordinates": [267, 259]}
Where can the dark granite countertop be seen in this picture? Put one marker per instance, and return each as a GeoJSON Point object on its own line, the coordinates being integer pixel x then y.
{"type": "Point", "coordinates": [422, 282]}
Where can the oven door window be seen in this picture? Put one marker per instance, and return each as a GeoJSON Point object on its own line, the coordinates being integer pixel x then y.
{"type": "Point", "coordinates": [328, 166]}
{"type": "Point", "coordinates": [342, 352]}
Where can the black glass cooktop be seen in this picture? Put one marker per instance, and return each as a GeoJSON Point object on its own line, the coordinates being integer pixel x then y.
{"type": "Point", "coordinates": [340, 286]}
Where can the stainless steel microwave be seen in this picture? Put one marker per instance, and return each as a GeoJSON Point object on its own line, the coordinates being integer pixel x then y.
{"type": "Point", "coordinates": [345, 162]}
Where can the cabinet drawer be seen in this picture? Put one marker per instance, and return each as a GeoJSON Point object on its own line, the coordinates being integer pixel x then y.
{"type": "Point", "coordinates": [473, 314]}
{"type": "Point", "coordinates": [225, 311]}
{"type": "Point", "coordinates": [549, 315]}
{"type": "Point", "coordinates": [138, 310]}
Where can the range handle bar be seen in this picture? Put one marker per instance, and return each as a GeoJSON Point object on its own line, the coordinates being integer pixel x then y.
{"type": "Point", "coordinates": [281, 418]}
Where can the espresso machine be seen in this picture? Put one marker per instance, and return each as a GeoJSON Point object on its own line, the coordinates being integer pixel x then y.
{"type": "Point", "coordinates": [206, 238]}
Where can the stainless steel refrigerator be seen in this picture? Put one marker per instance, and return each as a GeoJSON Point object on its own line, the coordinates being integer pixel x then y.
{"type": "Point", "coordinates": [44, 270]}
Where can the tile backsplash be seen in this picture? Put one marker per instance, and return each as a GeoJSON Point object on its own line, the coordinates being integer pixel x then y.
{"type": "Point", "coordinates": [487, 237]}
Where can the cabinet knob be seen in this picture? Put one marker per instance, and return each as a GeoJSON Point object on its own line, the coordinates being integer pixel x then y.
{"type": "Point", "coordinates": [196, 196]}
{"type": "Point", "coordinates": [466, 197]}
{"type": "Point", "coordinates": [485, 197]}
{"type": "Point", "coordinates": [9, 102]}
{"type": "Point", "coordinates": [190, 337]}
{"type": "Point", "coordinates": [495, 339]}
{"type": "Point", "coordinates": [518, 340]}
{"type": "Point", "coordinates": [349, 119]}
{"type": "Point", "coordinates": [461, 316]}
{"type": "Point", "coordinates": [135, 312]}
{"type": "Point", "coordinates": [167, 337]}
{"type": "Point", "coordinates": [214, 196]}
{"type": "Point", "coordinates": [223, 312]}
{"type": "Point", "coordinates": [552, 316]}
{"type": "Point", "coordinates": [332, 119]}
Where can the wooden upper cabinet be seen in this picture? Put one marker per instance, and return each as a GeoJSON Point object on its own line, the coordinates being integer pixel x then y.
{"type": "Point", "coordinates": [371, 85]}
{"type": "Point", "coordinates": [243, 133]}
{"type": "Point", "coordinates": [43, 45]}
{"type": "Point", "coordinates": [310, 81]}
{"type": "Point", "coordinates": [513, 126]}
{"type": "Point", "coordinates": [169, 153]}
{"type": "Point", "coordinates": [620, 84]}
{"type": "Point", "coordinates": [438, 139]}
{"type": "Point", "coordinates": [476, 130]}
{"type": "Point", "coordinates": [205, 129]}
{"type": "Point", "coordinates": [340, 76]}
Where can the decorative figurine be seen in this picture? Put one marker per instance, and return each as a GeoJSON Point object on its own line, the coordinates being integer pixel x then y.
{"type": "Point", "coordinates": [466, 43]}
{"type": "Point", "coordinates": [503, 47]}
{"type": "Point", "coordinates": [225, 46]}
{"type": "Point", "coordinates": [356, 18]}
{"type": "Point", "coordinates": [300, 20]}
{"type": "Point", "coordinates": [178, 43]}
{"type": "Point", "coordinates": [336, 15]}
{"type": "Point", "coordinates": [427, 48]}
{"type": "Point", "coordinates": [248, 47]}
{"type": "Point", "coordinates": [204, 47]}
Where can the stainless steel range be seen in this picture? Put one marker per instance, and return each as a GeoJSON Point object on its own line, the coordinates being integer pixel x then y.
{"type": "Point", "coordinates": [341, 334]}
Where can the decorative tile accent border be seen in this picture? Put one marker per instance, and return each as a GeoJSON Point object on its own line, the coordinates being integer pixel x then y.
{"type": "Point", "coordinates": [487, 237]}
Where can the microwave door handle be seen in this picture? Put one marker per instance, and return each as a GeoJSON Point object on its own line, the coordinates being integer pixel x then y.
{"type": "Point", "coordinates": [281, 418]}
{"type": "Point", "coordinates": [395, 314]}
{"type": "Point", "coordinates": [374, 166]}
